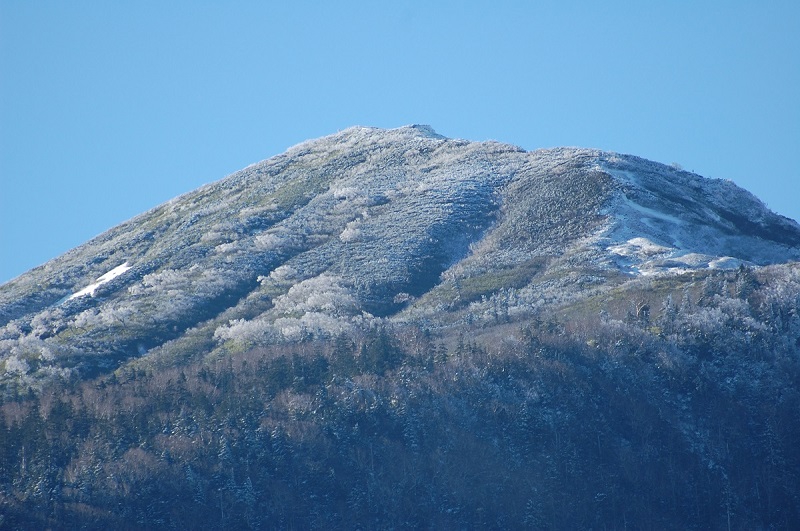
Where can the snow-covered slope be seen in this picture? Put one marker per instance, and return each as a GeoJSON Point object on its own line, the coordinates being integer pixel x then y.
{"type": "Point", "coordinates": [372, 225]}
{"type": "Point", "coordinates": [671, 221]}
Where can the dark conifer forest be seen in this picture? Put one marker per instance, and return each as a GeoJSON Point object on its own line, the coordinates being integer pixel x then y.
{"type": "Point", "coordinates": [685, 416]}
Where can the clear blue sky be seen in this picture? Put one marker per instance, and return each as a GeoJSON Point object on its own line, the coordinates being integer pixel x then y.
{"type": "Point", "coordinates": [108, 109]}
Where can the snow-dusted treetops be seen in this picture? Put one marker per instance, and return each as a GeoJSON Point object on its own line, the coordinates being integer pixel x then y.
{"type": "Point", "coordinates": [369, 228]}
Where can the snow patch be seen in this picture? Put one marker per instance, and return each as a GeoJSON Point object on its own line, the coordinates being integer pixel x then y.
{"type": "Point", "coordinates": [108, 277]}
{"type": "Point", "coordinates": [351, 232]}
{"type": "Point", "coordinates": [651, 213]}
{"type": "Point", "coordinates": [726, 262]}
{"type": "Point", "coordinates": [641, 248]}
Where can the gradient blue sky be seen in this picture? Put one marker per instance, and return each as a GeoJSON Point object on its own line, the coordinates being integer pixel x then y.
{"type": "Point", "coordinates": [108, 109]}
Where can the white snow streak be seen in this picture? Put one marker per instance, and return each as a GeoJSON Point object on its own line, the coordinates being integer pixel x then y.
{"type": "Point", "coordinates": [108, 277]}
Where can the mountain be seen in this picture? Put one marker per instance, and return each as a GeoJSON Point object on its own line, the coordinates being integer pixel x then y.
{"type": "Point", "coordinates": [366, 224]}
{"type": "Point", "coordinates": [618, 334]}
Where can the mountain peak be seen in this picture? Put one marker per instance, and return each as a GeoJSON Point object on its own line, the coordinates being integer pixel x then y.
{"type": "Point", "coordinates": [427, 130]}
{"type": "Point", "coordinates": [366, 135]}
{"type": "Point", "coordinates": [368, 224]}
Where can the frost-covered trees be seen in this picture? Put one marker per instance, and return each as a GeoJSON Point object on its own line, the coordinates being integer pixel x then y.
{"type": "Point", "coordinates": [320, 306]}
{"type": "Point", "coordinates": [543, 427]}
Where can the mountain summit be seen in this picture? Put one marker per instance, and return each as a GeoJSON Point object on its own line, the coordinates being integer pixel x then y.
{"type": "Point", "coordinates": [368, 224]}
{"type": "Point", "coordinates": [390, 329]}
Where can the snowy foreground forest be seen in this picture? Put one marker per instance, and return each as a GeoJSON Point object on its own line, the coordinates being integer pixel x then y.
{"type": "Point", "coordinates": [391, 329]}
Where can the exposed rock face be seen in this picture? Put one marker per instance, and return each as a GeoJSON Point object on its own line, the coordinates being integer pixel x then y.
{"type": "Point", "coordinates": [372, 224]}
